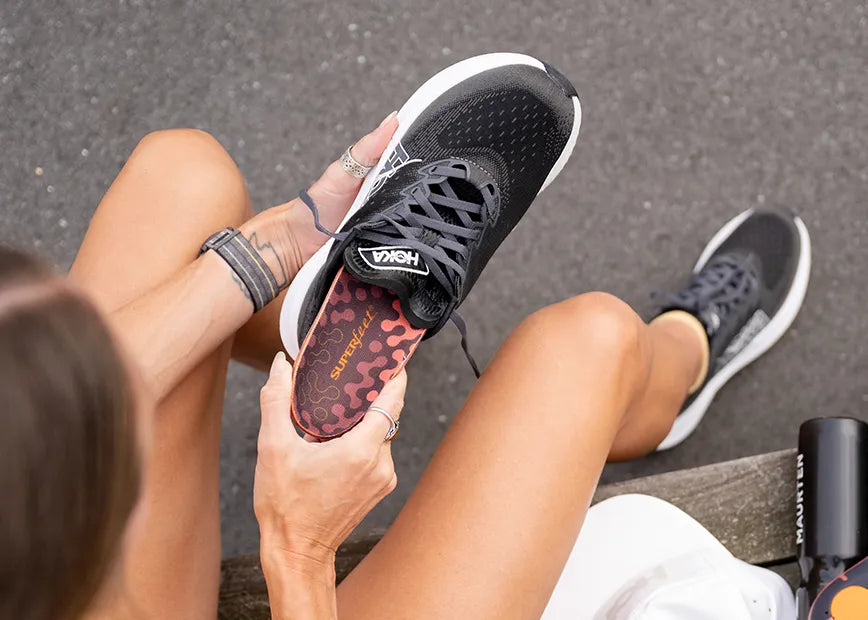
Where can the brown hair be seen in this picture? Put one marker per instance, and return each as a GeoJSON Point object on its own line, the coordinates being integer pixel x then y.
{"type": "Point", "coordinates": [69, 459]}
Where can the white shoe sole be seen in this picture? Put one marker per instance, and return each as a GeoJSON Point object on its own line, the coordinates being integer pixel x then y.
{"type": "Point", "coordinates": [409, 112]}
{"type": "Point", "coordinates": [689, 419]}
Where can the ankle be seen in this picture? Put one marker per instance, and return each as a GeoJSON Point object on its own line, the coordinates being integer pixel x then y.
{"type": "Point", "coordinates": [689, 331]}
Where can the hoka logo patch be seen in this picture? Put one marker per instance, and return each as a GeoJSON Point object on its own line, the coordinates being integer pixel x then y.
{"type": "Point", "coordinates": [397, 160]}
{"type": "Point", "coordinates": [394, 258]}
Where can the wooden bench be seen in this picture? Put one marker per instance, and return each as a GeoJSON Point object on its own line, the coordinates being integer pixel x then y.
{"type": "Point", "coordinates": [748, 504]}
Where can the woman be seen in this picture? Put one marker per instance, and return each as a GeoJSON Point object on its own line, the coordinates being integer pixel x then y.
{"type": "Point", "coordinates": [113, 382]}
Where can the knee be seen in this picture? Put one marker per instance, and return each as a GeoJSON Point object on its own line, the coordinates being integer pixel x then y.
{"type": "Point", "coordinates": [194, 143]}
{"type": "Point", "coordinates": [598, 324]}
{"type": "Point", "coordinates": [196, 165]}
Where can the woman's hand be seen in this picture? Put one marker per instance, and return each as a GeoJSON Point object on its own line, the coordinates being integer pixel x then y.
{"type": "Point", "coordinates": [309, 496]}
{"type": "Point", "coordinates": [336, 190]}
{"type": "Point", "coordinates": [286, 236]}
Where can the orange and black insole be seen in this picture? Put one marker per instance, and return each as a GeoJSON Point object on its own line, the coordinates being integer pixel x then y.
{"type": "Point", "coordinates": [359, 340]}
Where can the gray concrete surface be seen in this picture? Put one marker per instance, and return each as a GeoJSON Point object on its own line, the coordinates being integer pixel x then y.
{"type": "Point", "coordinates": [693, 111]}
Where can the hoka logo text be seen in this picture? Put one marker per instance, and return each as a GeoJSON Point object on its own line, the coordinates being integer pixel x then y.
{"type": "Point", "coordinates": [394, 258]}
{"type": "Point", "coordinates": [402, 257]}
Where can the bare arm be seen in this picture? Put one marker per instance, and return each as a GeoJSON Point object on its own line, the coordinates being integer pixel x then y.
{"type": "Point", "coordinates": [172, 328]}
{"type": "Point", "coordinates": [309, 496]}
{"type": "Point", "coordinates": [299, 588]}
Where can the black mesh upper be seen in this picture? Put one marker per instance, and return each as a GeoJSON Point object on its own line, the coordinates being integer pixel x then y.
{"type": "Point", "coordinates": [513, 122]}
{"type": "Point", "coordinates": [772, 236]}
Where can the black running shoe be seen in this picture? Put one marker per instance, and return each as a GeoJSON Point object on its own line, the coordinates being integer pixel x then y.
{"type": "Point", "coordinates": [746, 290]}
{"type": "Point", "coordinates": [448, 192]}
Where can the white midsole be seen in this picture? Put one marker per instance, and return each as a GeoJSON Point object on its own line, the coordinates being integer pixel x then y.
{"type": "Point", "coordinates": [689, 419]}
{"type": "Point", "coordinates": [409, 112]}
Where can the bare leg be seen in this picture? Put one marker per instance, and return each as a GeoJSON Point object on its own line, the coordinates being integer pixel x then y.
{"type": "Point", "coordinates": [177, 188]}
{"type": "Point", "coordinates": [488, 529]}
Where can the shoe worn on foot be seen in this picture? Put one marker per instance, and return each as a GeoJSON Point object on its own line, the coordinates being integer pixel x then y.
{"type": "Point", "coordinates": [475, 146]}
{"type": "Point", "coordinates": [746, 290]}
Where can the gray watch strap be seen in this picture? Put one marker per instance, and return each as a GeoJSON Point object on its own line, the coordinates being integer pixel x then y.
{"type": "Point", "coordinates": [247, 264]}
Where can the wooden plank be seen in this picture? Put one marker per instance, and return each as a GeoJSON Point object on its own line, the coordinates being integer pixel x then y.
{"type": "Point", "coordinates": [747, 504]}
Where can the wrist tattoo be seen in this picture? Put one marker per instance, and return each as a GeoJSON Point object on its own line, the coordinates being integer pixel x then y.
{"type": "Point", "coordinates": [241, 286]}
{"type": "Point", "coordinates": [282, 278]}
{"type": "Point", "coordinates": [251, 271]}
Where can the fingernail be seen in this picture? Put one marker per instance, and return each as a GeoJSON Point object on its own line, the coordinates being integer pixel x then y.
{"type": "Point", "coordinates": [278, 359]}
{"type": "Point", "coordinates": [391, 115]}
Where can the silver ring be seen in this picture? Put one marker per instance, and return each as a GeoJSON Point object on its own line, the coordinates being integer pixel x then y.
{"type": "Point", "coordinates": [352, 167]}
{"type": "Point", "coordinates": [393, 423]}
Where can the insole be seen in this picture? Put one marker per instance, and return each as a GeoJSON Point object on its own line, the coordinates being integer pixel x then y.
{"type": "Point", "coordinates": [359, 340]}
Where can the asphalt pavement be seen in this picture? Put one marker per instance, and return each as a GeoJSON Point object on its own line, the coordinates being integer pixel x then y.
{"type": "Point", "coordinates": [693, 111]}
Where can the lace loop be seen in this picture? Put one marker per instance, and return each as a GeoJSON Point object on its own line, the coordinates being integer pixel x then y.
{"type": "Point", "coordinates": [465, 346]}
{"type": "Point", "coordinates": [307, 200]}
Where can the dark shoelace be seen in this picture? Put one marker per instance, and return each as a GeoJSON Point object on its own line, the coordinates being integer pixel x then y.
{"type": "Point", "coordinates": [723, 283]}
{"type": "Point", "coordinates": [405, 226]}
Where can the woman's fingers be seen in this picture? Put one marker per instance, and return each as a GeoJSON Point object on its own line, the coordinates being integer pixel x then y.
{"type": "Point", "coordinates": [337, 182]}
{"type": "Point", "coordinates": [275, 398]}
{"type": "Point", "coordinates": [371, 431]}
{"type": "Point", "coordinates": [368, 150]}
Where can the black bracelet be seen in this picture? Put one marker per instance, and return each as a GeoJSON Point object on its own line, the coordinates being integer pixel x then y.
{"type": "Point", "coordinates": [247, 264]}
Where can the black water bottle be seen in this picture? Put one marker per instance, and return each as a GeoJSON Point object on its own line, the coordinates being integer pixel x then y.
{"type": "Point", "coordinates": [831, 502]}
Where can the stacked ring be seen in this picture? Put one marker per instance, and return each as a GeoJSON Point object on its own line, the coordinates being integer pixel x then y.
{"type": "Point", "coordinates": [393, 423]}
{"type": "Point", "coordinates": [353, 167]}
